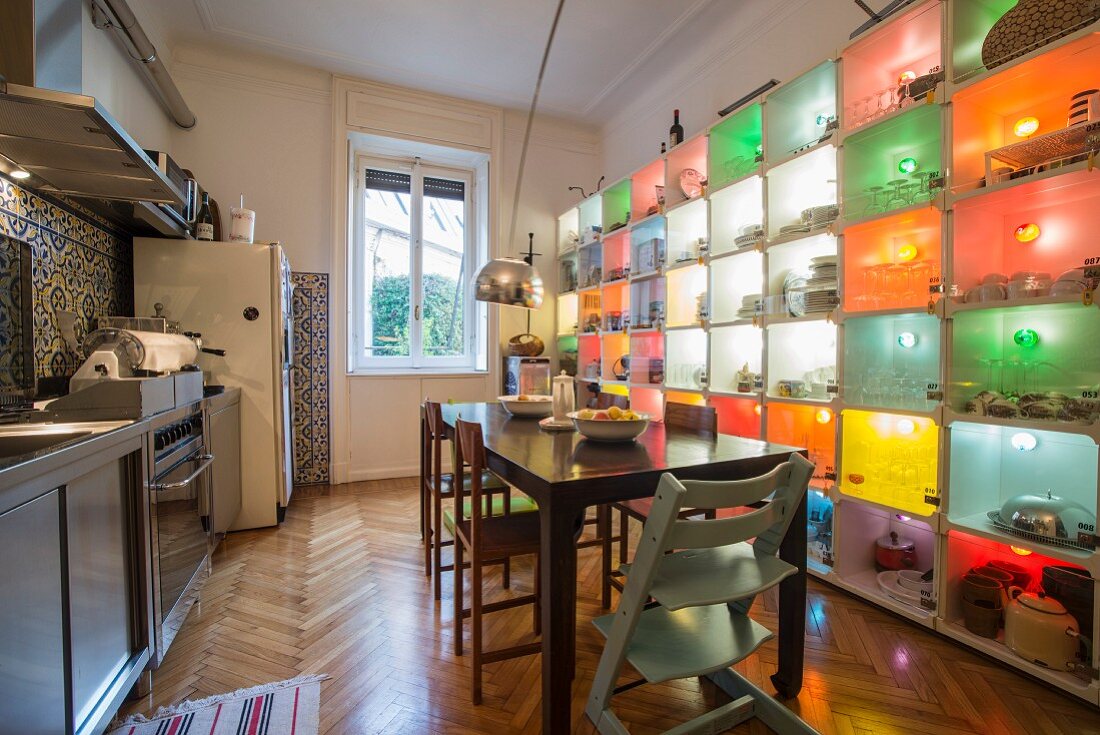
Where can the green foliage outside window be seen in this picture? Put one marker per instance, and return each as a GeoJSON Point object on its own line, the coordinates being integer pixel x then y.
{"type": "Point", "coordinates": [441, 316]}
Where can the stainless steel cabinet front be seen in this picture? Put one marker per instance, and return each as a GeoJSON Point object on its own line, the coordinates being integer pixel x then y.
{"type": "Point", "coordinates": [225, 445]}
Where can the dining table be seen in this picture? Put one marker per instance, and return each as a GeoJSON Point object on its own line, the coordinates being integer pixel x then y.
{"type": "Point", "coordinates": [566, 474]}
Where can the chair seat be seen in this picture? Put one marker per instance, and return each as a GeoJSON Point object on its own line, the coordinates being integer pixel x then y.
{"type": "Point", "coordinates": [677, 644]}
{"type": "Point", "coordinates": [512, 535]}
{"type": "Point", "coordinates": [489, 481]}
{"type": "Point", "coordinates": [709, 576]}
{"type": "Point", "coordinates": [517, 505]}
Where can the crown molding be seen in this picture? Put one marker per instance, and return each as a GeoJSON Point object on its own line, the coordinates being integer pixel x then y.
{"type": "Point", "coordinates": [253, 83]}
{"type": "Point", "coordinates": [574, 141]}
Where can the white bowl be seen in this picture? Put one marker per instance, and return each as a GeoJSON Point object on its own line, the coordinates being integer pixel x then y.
{"type": "Point", "coordinates": [533, 406]}
{"type": "Point", "coordinates": [910, 579]}
{"type": "Point", "coordinates": [609, 430]}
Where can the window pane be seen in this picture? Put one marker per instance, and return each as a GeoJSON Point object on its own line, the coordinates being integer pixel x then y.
{"type": "Point", "coordinates": [444, 263]}
{"type": "Point", "coordinates": [387, 225]}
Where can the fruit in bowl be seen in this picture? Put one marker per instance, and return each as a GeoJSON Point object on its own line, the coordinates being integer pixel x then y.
{"type": "Point", "coordinates": [527, 404]}
{"type": "Point", "coordinates": [612, 425]}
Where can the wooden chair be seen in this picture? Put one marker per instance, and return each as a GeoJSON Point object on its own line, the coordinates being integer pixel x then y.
{"type": "Point", "coordinates": [701, 420]}
{"type": "Point", "coordinates": [482, 538]}
{"type": "Point", "coordinates": [703, 592]}
{"type": "Point", "coordinates": [438, 486]}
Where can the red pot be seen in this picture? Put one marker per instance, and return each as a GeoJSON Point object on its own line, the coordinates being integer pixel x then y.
{"type": "Point", "coordinates": [895, 552]}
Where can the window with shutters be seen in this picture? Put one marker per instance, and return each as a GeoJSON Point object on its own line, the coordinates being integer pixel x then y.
{"type": "Point", "coordinates": [415, 253]}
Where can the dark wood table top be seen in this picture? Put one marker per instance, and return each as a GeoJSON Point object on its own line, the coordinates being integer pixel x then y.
{"type": "Point", "coordinates": [567, 462]}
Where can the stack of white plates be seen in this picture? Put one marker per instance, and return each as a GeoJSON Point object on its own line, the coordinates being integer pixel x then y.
{"type": "Point", "coordinates": [788, 229]}
{"type": "Point", "coordinates": [748, 235]}
{"type": "Point", "coordinates": [1079, 107]}
{"type": "Point", "coordinates": [1073, 282]}
{"type": "Point", "coordinates": [751, 305]}
{"type": "Point", "coordinates": [820, 216]}
{"type": "Point", "coordinates": [820, 293]}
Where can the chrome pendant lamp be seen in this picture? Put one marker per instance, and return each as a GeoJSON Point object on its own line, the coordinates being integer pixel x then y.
{"type": "Point", "coordinates": [515, 281]}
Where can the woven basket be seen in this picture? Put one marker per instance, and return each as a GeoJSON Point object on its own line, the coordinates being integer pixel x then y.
{"type": "Point", "coordinates": [525, 345]}
{"type": "Point", "coordinates": [1033, 24]}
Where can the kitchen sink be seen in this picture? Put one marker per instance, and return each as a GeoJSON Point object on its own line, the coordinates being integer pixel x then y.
{"type": "Point", "coordinates": [15, 445]}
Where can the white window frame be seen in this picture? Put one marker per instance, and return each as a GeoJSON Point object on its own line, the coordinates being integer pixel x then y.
{"type": "Point", "coordinates": [474, 322]}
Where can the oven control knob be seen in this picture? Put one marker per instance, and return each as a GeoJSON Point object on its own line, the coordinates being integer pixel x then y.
{"type": "Point", "coordinates": [185, 428]}
{"type": "Point", "coordinates": [160, 441]}
{"type": "Point", "coordinates": [175, 433]}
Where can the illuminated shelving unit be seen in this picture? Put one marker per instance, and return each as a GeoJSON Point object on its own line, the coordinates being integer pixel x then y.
{"type": "Point", "coordinates": [892, 392]}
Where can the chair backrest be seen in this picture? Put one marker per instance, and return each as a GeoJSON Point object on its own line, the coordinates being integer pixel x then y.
{"type": "Point", "coordinates": [688, 417]}
{"type": "Point", "coordinates": [470, 452]}
{"type": "Point", "coordinates": [607, 400]}
{"type": "Point", "coordinates": [433, 442]}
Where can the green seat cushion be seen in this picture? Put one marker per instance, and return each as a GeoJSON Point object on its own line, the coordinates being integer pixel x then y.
{"type": "Point", "coordinates": [520, 504]}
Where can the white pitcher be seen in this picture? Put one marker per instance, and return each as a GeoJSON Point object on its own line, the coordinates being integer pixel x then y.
{"type": "Point", "coordinates": [564, 400]}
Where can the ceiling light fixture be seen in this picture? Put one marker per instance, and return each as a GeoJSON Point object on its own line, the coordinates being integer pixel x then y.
{"type": "Point", "coordinates": [511, 281]}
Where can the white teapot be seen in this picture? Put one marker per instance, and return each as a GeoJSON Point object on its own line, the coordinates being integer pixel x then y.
{"type": "Point", "coordinates": [564, 397]}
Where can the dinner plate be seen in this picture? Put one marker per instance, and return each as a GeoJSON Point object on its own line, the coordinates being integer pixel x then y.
{"type": "Point", "coordinates": [691, 183]}
{"type": "Point", "coordinates": [888, 581]}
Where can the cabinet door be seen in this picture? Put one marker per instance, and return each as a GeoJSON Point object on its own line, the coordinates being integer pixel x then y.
{"type": "Point", "coordinates": [32, 656]}
{"type": "Point", "coordinates": [225, 444]}
{"type": "Point", "coordinates": [97, 509]}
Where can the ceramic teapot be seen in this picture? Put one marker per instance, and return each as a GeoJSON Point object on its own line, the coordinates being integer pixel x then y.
{"type": "Point", "coordinates": [564, 398]}
{"type": "Point", "coordinates": [1039, 629]}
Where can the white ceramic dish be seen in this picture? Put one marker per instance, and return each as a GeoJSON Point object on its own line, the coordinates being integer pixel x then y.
{"type": "Point", "coordinates": [910, 579]}
{"type": "Point", "coordinates": [609, 430]}
{"type": "Point", "coordinates": [536, 406]}
{"type": "Point", "coordinates": [888, 581]}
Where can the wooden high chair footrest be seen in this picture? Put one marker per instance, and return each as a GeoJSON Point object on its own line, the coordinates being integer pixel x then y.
{"type": "Point", "coordinates": [691, 642]}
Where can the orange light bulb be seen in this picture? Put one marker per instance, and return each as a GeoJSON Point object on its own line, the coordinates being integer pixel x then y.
{"type": "Point", "coordinates": [757, 409]}
{"type": "Point", "coordinates": [1028, 232]}
{"type": "Point", "coordinates": [1021, 552]}
{"type": "Point", "coordinates": [1026, 126]}
{"type": "Point", "coordinates": [907, 253]}
{"type": "Point", "coordinates": [824, 416]}
{"type": "Point", "coordinates": [906, 76]}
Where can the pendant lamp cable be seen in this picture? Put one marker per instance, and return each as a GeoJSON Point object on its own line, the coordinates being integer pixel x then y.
{"type": "Point", "coordinates": [530, 121]}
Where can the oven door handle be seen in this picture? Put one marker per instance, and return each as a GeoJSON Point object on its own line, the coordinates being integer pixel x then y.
{"type": "Point", "coordinates": [207, 460]}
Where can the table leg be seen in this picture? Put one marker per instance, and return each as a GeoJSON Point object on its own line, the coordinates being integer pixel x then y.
{"type": "Point", "coordinates": [792, 608]}
{"type": "Point", "coordinates": [559, 592]}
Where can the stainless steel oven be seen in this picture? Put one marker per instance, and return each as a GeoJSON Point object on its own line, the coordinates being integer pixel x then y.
{"type": "Point", "coordinates": [180, 507]}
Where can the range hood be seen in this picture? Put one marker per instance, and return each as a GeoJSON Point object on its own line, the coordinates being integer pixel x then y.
{"type": "Point", "coordinates": [70, 145]}
{"type": "Point", "coordinates": [54, 138]}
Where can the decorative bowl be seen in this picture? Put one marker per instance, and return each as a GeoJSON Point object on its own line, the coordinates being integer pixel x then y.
{"type": "Point", "coordinates": [610, 430]}
{"type": "Point", "coordinates": [527, 405]}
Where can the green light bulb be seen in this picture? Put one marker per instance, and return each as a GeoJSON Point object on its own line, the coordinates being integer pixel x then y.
{"type": "Point", "coordinates": [907, 165]}
{"type": "Point", "coordinates": [821, 120]}
{"type": "Point", "coordinates": [1026, 337]}
{"type": "Point", "coordinates": [759, 149]}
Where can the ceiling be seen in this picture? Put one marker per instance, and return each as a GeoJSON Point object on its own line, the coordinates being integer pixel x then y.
{"type": "Point", "coordinates": [486, 50]}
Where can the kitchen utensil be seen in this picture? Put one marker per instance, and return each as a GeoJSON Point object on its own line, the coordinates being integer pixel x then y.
{"type": "Point", "coordinates": [895, 552]}
{"type": "Point", "coordinates": [1021, 577]}
{"type": "Point", "coordinates": [621, 368]}
{"type": "Point", "coordinates": [1039, 629]}
{"type": "Point", "coordinates": [982, 617]}
{"type": "Point", "coordinates": [528, 405]}
{"type": "Point", "coordinates": [1032, 24]}
{"type": "Point", "coordinates": [1049, 518]}
{"type": "Point", "coordinates": [608, 430]}
{"type": "Point", "coordinates": [1000, 576]}
{"type": "Point", "coordinates": [1074, 588]}
{"type": "Point", "coordinates": [913, 580]}
{"type": "Point", "coordinates": [889, 583]}
{"type": "Point", "coordinates": [976, 587]}
{"type": "Point", "coordinates": [564, 399]}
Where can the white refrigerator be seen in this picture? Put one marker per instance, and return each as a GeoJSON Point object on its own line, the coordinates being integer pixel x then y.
{"type": "Point", "coordinates": [239, 298]}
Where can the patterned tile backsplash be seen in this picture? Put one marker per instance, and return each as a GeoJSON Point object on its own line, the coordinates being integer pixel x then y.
{"type": "Point", "coordinates": [310, 377]}
{"type": "Point", "coordinates": [80, 264]}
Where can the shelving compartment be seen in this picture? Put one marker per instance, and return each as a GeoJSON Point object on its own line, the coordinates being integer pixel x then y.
{"type": "Point", "coordinates": [686, 359]}
{"type": "Point", "coordinates": [890, 263]}
{"type": "Point", "coordinates": [801, 360]}
{"type": "Point", "coordinates": [737, 416]}
{"type": "Point", "coordinates": [643, 190]}
{"type": "Point", "coordinates": [568, 314]}
{"type": "Point", "coordinates": [793, 260]}
{"type": "Point", "coordinates": [732, 280]}
{"type": "Point", "coordinates": [793, 187]}
{"type": "Point", "coordinates": [647, 246]}
{"type": "Point", "coordinates": [590, 316]}
{"type": "Point", "coordinates": [737, 212]}
{"type": "Point", "coordinates": [991, 231]}
{"type": "Point", "coordinates": [820, 554]}
{"type": "Point", "coordinates": [687, 288]}
{"type": "Point", "coordinates": [735, 359]}
{"type": "Point", "coordinates": [616, 256]}
{"type": "Point", "coordinates": [614, 348]}
{"type": "Point", "coordinates": [647, 303]}
{"type": "Point", "coordinates": [590, 218]}
{"type": "Point", "coordinates": [893, 165]}
{"type": "Point", "coordinates": [588, 357]}
{"type": "Point", "coordinates": [647, 359]}
{"type": "Point", "coordinates": [890, 459]}
{"type": "Point", "coordinates": [687, 232]}
{"type": "Point", "coordinates": [800, 112]}
{"type": "Point", "coordinates": [615, 206]}
{"type": "Point", "coordinates": [649, 401]}
{"type": "Point", "coordinates": [590, 265]}
{"type": "Point", "coordinates": [734, 148]}
{"type": "Point", "coordinates": [615, 306]}
{"type": "Point", "coordinates": [567, 353]}
{"type": "Point", "coordinates": [990, 465]}
{"type": "Point", "coordinates": [1027, 365]}
{"type": "Point", "coordinates": [568, 230]}
{"type": "Point", "coordinates": [859, 529]}
{"type": "Point", "coordinates": [876, 66]}
{"type": "Point", "coordinates": [989, 116]}
{"type": "Point", "coordinates": [568, 272]}
{"type": "Point", "coordinates": [966, 553]}
{"type": "Point", "coordinates": [691, 155]}
{"type": "Point", "coordinates": [810, 427]}
{"type": "Point", "coordinates": [891, 362]}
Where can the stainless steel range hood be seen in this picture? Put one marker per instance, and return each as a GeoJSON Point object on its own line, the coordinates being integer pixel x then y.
{"type": "Point", "coordinates": [70, 145]}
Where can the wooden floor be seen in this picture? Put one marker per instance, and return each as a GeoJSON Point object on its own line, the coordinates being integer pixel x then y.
{"type": "Point", "coordinates": [339, 589]}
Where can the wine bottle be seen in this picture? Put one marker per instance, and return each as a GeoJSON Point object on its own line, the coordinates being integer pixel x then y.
{"type": "Point", "coordinates": [204, 225]}
{"type": "Point", "coordinates": [676, 132]}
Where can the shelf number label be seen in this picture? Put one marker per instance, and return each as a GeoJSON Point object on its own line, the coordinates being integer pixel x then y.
{"type": "Point", "coordinates": [1090, 394]}
{"type": "Point", "coordinates": [1087, 527]}
{"type": "Point", "coordinates": [1092, 261]}
{"type": "Point", "coordinates": [933, 386]}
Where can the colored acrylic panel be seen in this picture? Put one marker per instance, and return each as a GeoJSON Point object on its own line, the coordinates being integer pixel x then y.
{"type": "Point", "coordinates": [890, 263]}
{"type": "Point", "coordinates": [890, 459]}
{"type": "Point", "coordinates": [644, 187]}
{"type": "Point", "coordinates": [807, 181]}
{"type": "Point", "coordinates": [799, 112]}
{"type": "Point", "coordinates": [891, 361]}
{"type": "Point", "coordinates": [801, 353]}
{"type": "Point", "coordinates": [687, 164]}
{"type": "Point", "coordinates": [736, 212]}
{"type": "Point", "coordinates": [735, 359]}
{"type": "Point", "coordinates": [733, 280]}
{"type": "Point", "coordinates": [686, 359]}
{"type": "Point", "coordinates": [734, 149]}
{"type": "Point", "coordinates": [615, 201]}
{"type": "Point", "coordinates": [809, 427]}
{"type": "Point", "coordinates": [737, 416]}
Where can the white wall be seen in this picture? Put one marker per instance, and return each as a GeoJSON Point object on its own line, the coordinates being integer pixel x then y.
{"type": "Point", "coordinates": [723, 53]}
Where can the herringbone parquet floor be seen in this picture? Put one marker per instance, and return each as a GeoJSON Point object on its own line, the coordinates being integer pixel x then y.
{"type": "Point", "coordinates": [339, 589]}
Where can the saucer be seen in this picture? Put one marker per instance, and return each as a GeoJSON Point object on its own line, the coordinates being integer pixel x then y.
{"type": "Point", "coordinates": [549, 424]}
